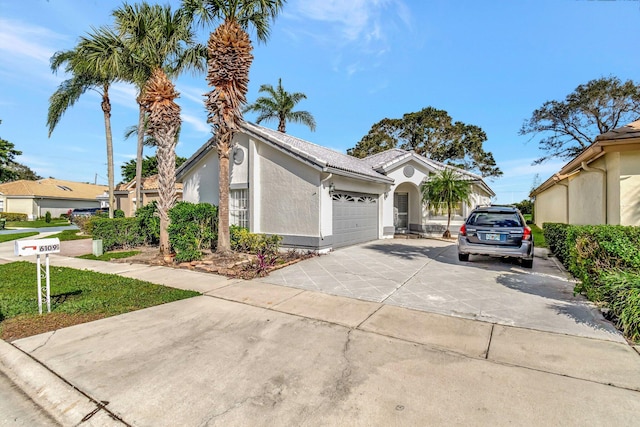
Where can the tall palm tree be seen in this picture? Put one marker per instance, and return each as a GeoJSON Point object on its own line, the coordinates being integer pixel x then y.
{"type": "Point", "coordinates": [137, 25]}
{"type": "Point", "coordinates": [278, 105]}
{"type": "Point", "coordinates": [94, 64]}
{"type": "Point", "coordinates": [446, 189]}
{"type": "Point", "coordinates": [165, 46]}
{"type": "Point", "coordinates": [229, 60]}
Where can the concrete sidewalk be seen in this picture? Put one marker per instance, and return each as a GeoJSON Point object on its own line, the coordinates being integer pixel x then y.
{"type": "Point", "coordinates": [247, 352]}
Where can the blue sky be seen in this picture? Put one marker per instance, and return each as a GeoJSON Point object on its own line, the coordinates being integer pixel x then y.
{"type": "Point", "coordinates": [488, 63]}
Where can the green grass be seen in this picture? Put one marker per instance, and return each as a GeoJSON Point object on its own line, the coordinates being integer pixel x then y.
{"type": "Point", "coordinates": [538, 236]}
{"type": "Point", "coordinates": [37, 224]}
{"type": "Point", "coordinates": [110, 255]}
{"type": "Point", "coordinates": [69, 235]}
{"type": "Point", "coordinates": [79, 292]}
{"type": "Point", "coordinates": [16, 236]}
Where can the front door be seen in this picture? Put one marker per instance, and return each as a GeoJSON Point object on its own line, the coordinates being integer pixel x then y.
{"type": "Point", "coordinates": [401, 211]}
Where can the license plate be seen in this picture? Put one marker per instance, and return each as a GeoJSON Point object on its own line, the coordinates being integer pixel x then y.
{"type": "Point", "coordinates": [492, 236]}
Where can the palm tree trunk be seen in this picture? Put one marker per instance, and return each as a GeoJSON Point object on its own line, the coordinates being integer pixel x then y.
{"type": "Point", "coordinates": [139, 153]}
{"type": "Point", "coordinates": [447, 232]}
{"type": "Point", "coordinates": [166, 187]}
{"type": "Point", "coordinates": [106, 109]}
{"type": "Point", "coordinates": [224, 238]}
{"type": "Point", "coordinates": [282, 125]}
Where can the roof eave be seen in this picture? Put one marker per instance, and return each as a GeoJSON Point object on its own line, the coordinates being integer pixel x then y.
{"type": "Point", "coordinates": [382, 180]}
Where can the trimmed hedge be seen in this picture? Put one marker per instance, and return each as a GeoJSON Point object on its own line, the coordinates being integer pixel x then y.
{"type": "Point", "coordinates": [149, 223]}
{"type": "Point", "coordinates": [117, 233]}
{"type": "Point", "coordinates": [606, 259]}
{"type": "Point", "coordinates": [12, 216]}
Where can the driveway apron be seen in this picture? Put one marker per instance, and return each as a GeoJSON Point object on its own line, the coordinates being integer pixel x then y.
{"type": "Point", "coordinates": [425, 275]}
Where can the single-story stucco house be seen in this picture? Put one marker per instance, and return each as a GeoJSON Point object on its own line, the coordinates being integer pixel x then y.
{"type": "Point", "coordinates": [35, 198]}
{"type": "Point", "coordinates": [317, 198]}
{"type": "Point", "coordinates": [599, 186]}
{"type": "Point", "coordinates": [125, 194]}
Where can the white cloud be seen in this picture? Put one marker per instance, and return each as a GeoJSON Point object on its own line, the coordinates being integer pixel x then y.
{"type": "Point", "coordinates": [20, 40]}
{"type": "Point", "coordinates": [197, 123]}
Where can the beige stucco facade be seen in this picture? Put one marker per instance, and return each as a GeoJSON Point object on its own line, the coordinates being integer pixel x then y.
{"type": "Point", "coordinates": [599, 186]}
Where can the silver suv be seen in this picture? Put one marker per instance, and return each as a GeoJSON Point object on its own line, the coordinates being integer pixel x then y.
{"type": "Point", "coordinates": [496, 231]}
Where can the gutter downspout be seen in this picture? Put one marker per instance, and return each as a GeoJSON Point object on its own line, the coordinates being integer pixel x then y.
{"type": "Point", "coordinates": [320, 204]}
{"type": "Point", "coordinates": [557, 178]}
{"type": "Point", "coordinates": [588, 168]}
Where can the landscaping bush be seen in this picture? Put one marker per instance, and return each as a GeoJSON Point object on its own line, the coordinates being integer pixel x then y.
{"type": "Point", "coordinates": [84, 223]}
{"type": "Point", "coordinates": [118, 213]}
{"type": "Point", "coordinates": [47, 217]}
{"type": "Point", "coordinates": [192, 229]}
{"type": "Point", "coordinates": [555, 234]}
{"type": "Point", "coordinates": [622, 293]}
{"type": "Point", "coordinates": [244, 241]}
{"type": "Point", "coordinates": [116, 233]}
{"type": "Point", "coordinates": [149, 223]}
{"type": "Point", "coordinates": [12, 216]}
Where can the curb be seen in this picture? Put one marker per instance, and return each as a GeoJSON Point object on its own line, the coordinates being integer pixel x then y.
{"type": "Point", "coordinates": [65, 403]}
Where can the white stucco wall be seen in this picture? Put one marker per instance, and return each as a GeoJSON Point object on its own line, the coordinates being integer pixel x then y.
{"type": "Point", "coordinates": [586, 198]}
{"type": "Point", "coordinates": [630, 188]}
{"type": "Point", "coordinates": [289, 194]}
{"type": "Point", "coordinates": [239, 172]}
{"type": "Point", "coordinates": [551, 205]}
{"type": "Point", "coordinates": [200, 183]}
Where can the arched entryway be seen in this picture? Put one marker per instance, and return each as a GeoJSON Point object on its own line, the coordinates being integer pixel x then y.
{"type": "Point", "coordinates": [407, 203]}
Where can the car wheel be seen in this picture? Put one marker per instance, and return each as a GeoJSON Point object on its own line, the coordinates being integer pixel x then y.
{"type": "Point", "coordinates": [463, 257]}
{"type": "Point", "coordinates": [527, 263]}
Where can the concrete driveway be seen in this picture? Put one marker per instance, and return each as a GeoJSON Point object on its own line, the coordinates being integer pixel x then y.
{"type": "Point", "coordinates": [425, 274]}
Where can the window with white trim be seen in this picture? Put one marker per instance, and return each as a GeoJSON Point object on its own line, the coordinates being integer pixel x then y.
{"type": "Point", "coordinates": [239, 207]}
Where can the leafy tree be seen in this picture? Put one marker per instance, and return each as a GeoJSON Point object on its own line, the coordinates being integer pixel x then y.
{"type": "Point", "coordinates": [446, 189]}
{"type": "Point", "coordinates": [525, 206]}
{"type": "Point", "coordinates": [278, 105]}
{"type": "Point", "coordinates": [148, 43]}
{"type": "Point", "coordinates": [431, 133]}
{"type": "Point", "coordinates": [229, 60]}
{"type": "Point", "coordinates": [169, 48]}
{"type": "Point", "coordinates": [94, 64]}
{"type": "Point", "coordinates": [7, 154]}
{"type": "Point", "coordinates": [569, 126]}
{"type": "Point", "coordinates": [149, 167]}
{"type": "Point", "coordinates": [14, 171]}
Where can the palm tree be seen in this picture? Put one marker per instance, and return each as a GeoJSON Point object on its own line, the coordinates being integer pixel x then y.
{"type": "Point", "coordinates": [165, 46]}
{"type": "Point", "coordinates": [229, 60]}
{"type": "Point", "coordinates": [94, 64]}
{"type": "Point", "coordinates": [446, 189]}
{"type": "Point", "coordinates": [278, 105]}
{"type": "Point", "coordinates": [137, 25]}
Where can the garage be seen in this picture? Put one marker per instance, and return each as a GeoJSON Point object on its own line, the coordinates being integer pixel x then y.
{"type": "Point", "coordinates": [355, 218]}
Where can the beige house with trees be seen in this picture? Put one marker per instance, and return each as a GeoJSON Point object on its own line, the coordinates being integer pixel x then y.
{"type": "Point", "coordinates": [125, 194]}
{"type": "Point", "coordinates": [599, 186]}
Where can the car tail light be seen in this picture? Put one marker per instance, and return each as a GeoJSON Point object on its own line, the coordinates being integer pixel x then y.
{"type": "Point", "coordinates": [463, 230]}
{"type": "Point", "coordinates": [526, 235]}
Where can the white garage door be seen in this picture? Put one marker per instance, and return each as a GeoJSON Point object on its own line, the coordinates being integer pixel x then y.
{"type": "Point", "coordinates": [355, 218]}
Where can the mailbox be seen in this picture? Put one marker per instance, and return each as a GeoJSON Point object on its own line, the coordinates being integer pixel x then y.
{"type": "Point", "coordinates": [36, 247]}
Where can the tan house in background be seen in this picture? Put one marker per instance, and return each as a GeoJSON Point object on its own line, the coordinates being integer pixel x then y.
{"type": "Point", "coordinates": [35, 198]}
{"type": "Point", "coordinates": [125, 194]}
{"type": "Point", "coordinates": [600, 186]}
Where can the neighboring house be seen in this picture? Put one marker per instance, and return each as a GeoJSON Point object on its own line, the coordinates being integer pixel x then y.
{"type": "Point", "coordinates": [317, 198]}
{"type": "Point", "coordinates": [35, 198]}
{"type": "Point", "coordinates": [125, 194]}
{"type": "Point", "coordinates": [599, 186]}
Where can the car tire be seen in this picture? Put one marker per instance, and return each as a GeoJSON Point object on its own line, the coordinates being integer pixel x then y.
{"type": "Point", "coordinates": [527, 263]}
{"type": "Point", "coordinates": [463, 257]}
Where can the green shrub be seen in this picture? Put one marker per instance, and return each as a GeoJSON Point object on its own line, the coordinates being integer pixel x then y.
{"type": "Point", "coordinates": [84, 224]}
{"type": "Point", "coordinates": [621, 291]}
{"type": "Point", "coordinates": [47, 217]}
{"type": "Point", "coordinates": [192, 229]}
{"type": "Point", "coordinates": [555, 234]}
{"type": "Point", "coordinates": [116, 233]}
{"type": "Point", "coordinates": [149, 223]}
{"type": "Point", "coordinates": [12, 216]}
{"type": "Point", "coordinates": [118, 213]}
{"type": "Point", "coordinates": [244, 241]}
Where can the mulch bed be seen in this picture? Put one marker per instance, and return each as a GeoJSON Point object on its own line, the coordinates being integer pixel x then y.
{"type": "Point", "coordinates": [26, 326]}
{"type": "Point", "coordinates": [236, 265]}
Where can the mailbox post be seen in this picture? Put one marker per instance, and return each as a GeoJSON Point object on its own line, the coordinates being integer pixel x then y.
{"type": "Point", "coordinates": [37, 248]}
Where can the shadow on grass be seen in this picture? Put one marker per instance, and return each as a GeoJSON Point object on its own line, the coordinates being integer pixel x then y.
{"type": "Point", "coordinates": [63, 297]}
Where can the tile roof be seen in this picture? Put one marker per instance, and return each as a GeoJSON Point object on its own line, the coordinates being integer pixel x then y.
{"type": "Point", "coordinates": [378, 160]}
{"type": "Point", "coordinates": [148, 183]}
{"type": "Point", "coordinates": [53, 188]}
{"type": "Point", "coordinates": [632, 130]}
{"type": "Point", "coordinates": [316, 154]}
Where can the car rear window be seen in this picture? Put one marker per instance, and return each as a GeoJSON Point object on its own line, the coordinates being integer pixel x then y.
{"type": "Point", "coordinates": [495, 219]}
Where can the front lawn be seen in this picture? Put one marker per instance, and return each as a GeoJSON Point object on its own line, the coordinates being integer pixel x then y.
{"type": "Point", "coordinates": [77, 296]}
{"type": "Point", "coordinates": [40, 223]}
{"type": "Point", "coordinates": [16, 236]}
{"type": "Point", "coordinates": [538, 236]}
{"type": "Point", "coordinates": [69, 235]}
{"type": "Point", "coordinates": [108, 256]}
